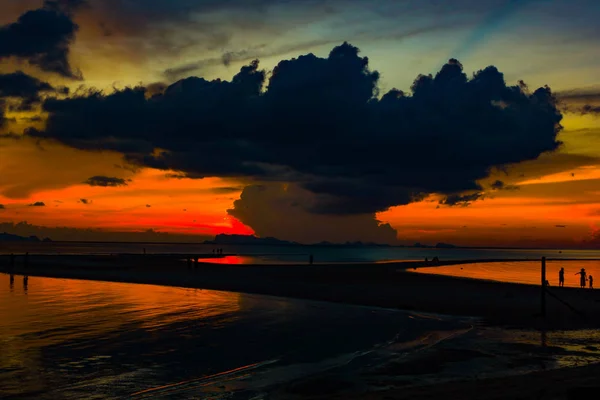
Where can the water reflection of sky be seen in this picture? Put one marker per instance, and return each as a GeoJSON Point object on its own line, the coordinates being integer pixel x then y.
{"type": "Point", "coordinates": [69, 338]}
{"type": "Point", "coordinates": [73, 339]}
{"type": "Point", "coordinates": [521, 271]}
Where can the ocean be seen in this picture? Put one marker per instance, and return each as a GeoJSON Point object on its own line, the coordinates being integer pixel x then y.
{"type": "Point", "coordinates": [246, 254]}
{"type": "Point", "coordinates": [527, 272]}
{"type": "Point", "coordinates": [74, 339]}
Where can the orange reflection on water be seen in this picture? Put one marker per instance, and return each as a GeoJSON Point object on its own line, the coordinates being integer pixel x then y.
{"type": "Point", "coordinates": [101, 306]}
{"type": "Point", "coordinates": [528, 272]}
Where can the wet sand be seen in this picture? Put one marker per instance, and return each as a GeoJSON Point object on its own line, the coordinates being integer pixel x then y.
{"type": "Point", "coordinates": [561, 384]}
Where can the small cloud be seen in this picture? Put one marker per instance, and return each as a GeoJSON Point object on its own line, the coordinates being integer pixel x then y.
{"type": "Point", "coordinates": [499, 185]}
{"type": "Point", "coordinates": [85, 201]}
{"type": "Point", "coordinates": [105, 181]}
{"type": "Point", "coordinates": [38, 204]}
{"type": "Point", "coordinates": [461, 200]}
{"type": "Point", "coordinates": [560, 226]}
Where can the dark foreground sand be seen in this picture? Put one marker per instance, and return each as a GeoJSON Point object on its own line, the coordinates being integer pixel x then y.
{"type": "Point", "coordinates": [562, 384]}
{"type": "Point", "coordinates": [383, 285]}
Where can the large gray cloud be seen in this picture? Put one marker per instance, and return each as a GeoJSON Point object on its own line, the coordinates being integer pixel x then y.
{"type": "Point", "coordinates": [280, 211]}
{"type": "Point", "coordinates": [321, 124]}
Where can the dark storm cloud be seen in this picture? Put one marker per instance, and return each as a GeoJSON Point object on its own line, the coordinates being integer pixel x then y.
{"type": "Point", "coordinates": [42, 37]}
{"type": "Point", "coordinates": [321, 124]}
{"type": "Point", "coordinates": [105, 181]}
{"type": "Point", "coordinates": [38, 204]}
{"type": "Point", "coordinates": [24, 88]}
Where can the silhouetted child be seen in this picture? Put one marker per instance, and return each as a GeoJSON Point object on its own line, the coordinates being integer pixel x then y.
{"type": "Point", "coordinates": [582, 278]}
{"type": "Point", "coordinates": [591, 282]}
{"type": "Point", "coordinates": [561, 277]}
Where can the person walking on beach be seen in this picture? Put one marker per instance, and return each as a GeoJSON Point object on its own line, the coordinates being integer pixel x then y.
{"type": "Point", "coordinates": [561, 277]}
{"type": "Point", "coordinates": [582, 278]}
{"type": "Point", "coordinates": [591, 282]}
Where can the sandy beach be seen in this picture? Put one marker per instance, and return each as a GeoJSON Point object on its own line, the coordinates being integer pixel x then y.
{"type": "Point", "coordinates": [390, 285]}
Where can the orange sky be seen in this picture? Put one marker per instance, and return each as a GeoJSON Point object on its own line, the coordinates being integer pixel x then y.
{"type": "Point", "coordinates": [557, 203]}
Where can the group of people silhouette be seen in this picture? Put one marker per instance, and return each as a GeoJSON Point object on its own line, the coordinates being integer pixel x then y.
{"type": "Point", "coordinates": [583, 278]}
{"type": "Point", "coordinates": [217, 251]}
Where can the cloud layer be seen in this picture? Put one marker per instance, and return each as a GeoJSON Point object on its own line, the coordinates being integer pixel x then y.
{"type": "Point", "coordinates": [320, 123]}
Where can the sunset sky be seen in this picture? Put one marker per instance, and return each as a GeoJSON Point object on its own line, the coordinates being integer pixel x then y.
{"type": "Point", "coordinates": [103, 132]}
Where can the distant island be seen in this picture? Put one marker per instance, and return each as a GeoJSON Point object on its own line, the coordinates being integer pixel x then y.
{"type": "Point", "coordinates": [224, 239]}
{"type": "Point", "coordinates": [8, 237]}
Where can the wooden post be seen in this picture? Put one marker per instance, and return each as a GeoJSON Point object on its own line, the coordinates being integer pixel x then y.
{"type": "Point", "coordinates": [543, 298]}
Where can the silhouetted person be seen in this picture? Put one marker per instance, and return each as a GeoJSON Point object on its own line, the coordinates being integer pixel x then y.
{"type": "Point", "coordinates": [11, 281]}
{"type": "Point", "coordinates": [310, 259]}
{"type": "Point", "coordinates": [591, 282]}
{"type": "Point", "coordinates": [547, 283]}
{"type": "Point", "coordinates": [561, 277]}
{"type": "Point", "coordinates": [144, 251]}
{"type": "Point", "coordinates": [25, 282]}
{"type": "Point", "coordinates": [582, 278]}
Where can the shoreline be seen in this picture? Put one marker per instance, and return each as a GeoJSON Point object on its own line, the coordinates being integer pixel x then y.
{"type": "Point", "coordinates": [387, 285]}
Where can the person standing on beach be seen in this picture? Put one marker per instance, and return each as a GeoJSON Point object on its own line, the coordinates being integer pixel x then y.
{"type": "Point", "coordinates": [561, 277]}
{"type": "Point", "coordinates": [582, 278]}
{"type": "Point", "coordinates": [591, 282]}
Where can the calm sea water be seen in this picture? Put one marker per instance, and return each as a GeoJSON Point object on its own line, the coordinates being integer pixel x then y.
{"type": "Point", "coordinates": [528, 272]}
{"type": "Point", "coordinates": [73, 339]}
{"type": "Point", "coordinates": [294, 254]}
